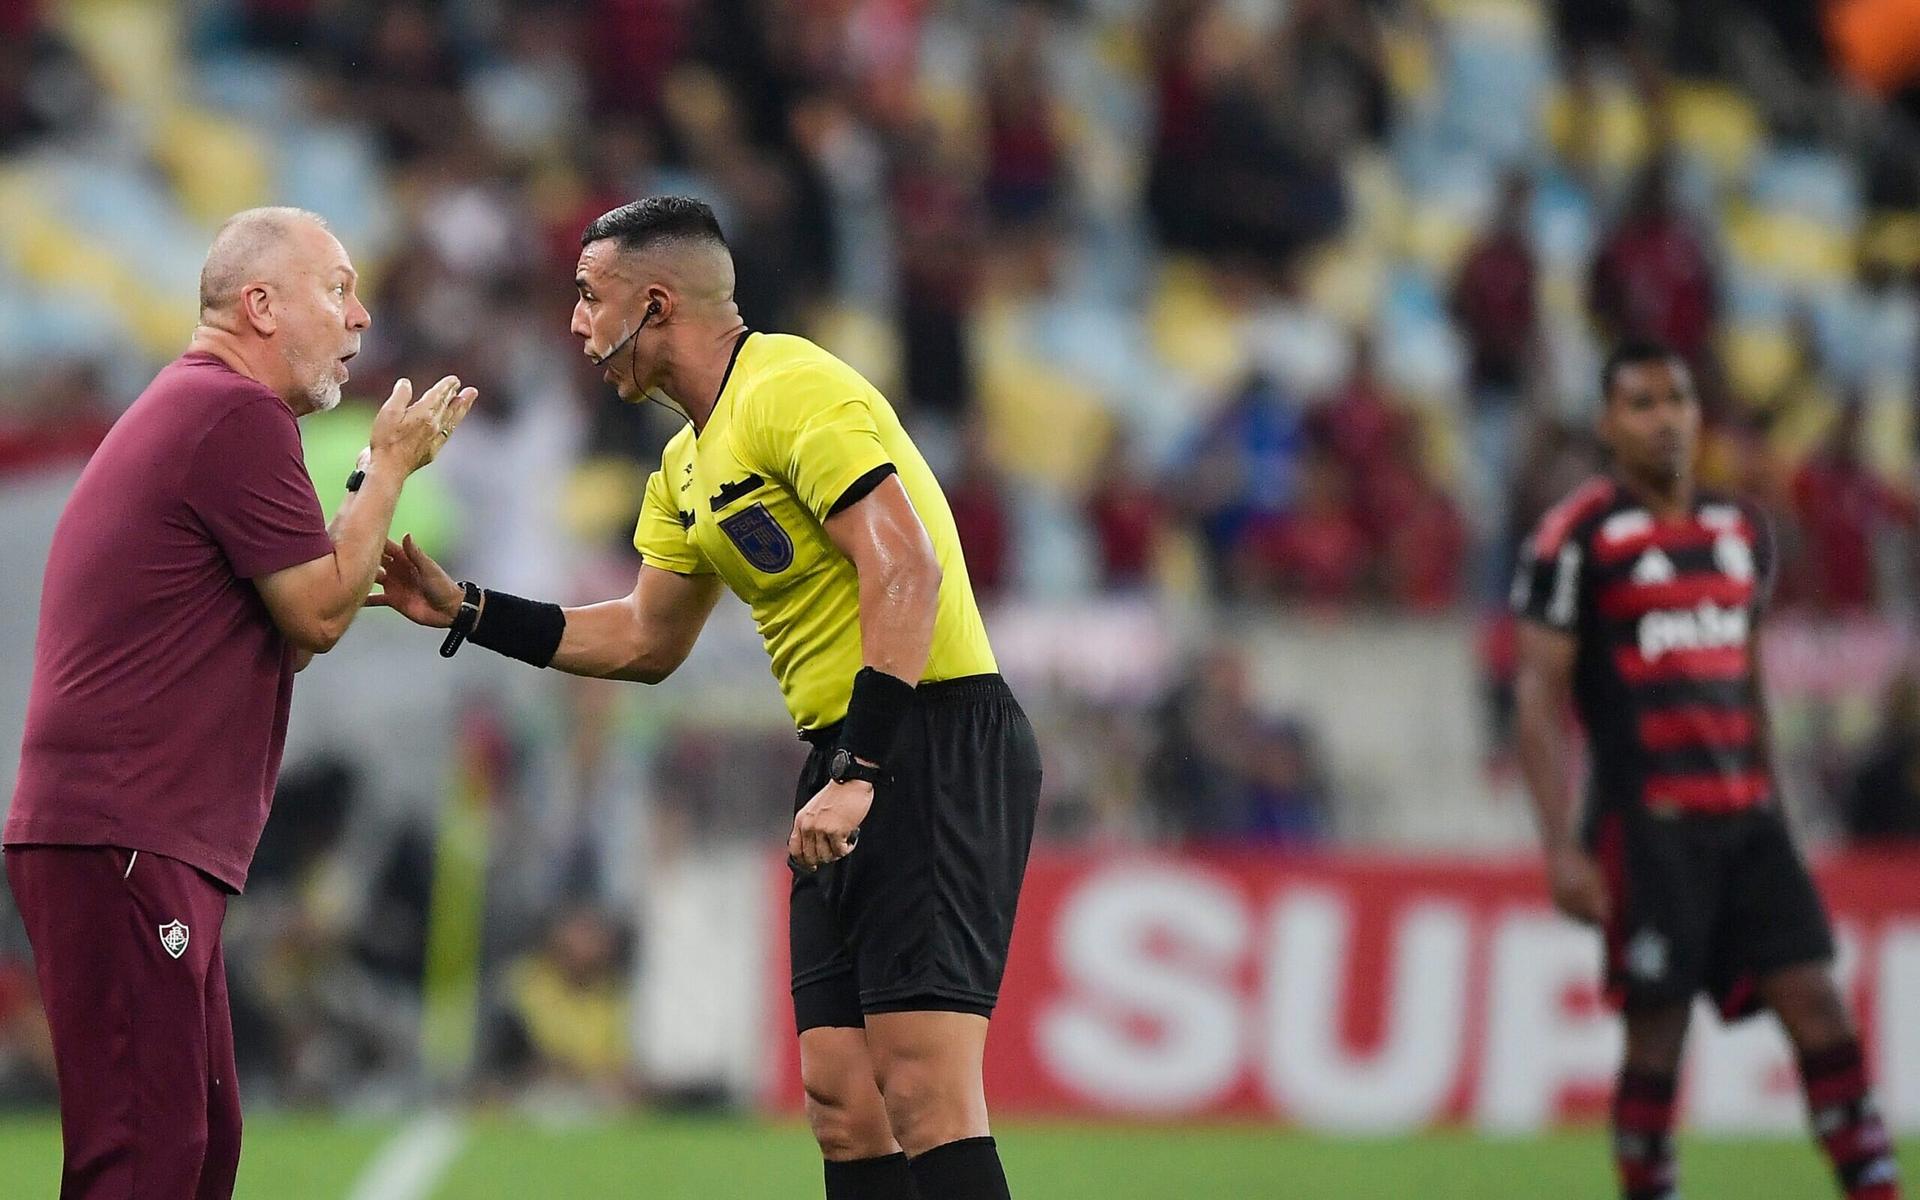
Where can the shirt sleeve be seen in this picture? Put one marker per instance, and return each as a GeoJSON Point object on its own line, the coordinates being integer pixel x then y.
{"type": "Point", "coordinates": [661, 536]}
{"type": "Point", "coordinates": [1547, 585]}
{"type": "Point", "coordinates": [248, 485]}
{"type": "Point", "coordinates": [821, 440]}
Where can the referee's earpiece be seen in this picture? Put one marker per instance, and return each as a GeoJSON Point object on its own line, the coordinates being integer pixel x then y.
{"type": "Point", "coordinates": [653, 310]}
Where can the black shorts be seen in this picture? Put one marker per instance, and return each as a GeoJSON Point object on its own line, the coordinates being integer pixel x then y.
{"type": "Point", "coordinates": [1704, 903]}
{"type": "Point", "coordinates": [919, 916]}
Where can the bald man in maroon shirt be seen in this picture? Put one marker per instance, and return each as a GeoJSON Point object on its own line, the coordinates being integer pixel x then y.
{"type": "Point", "coordinates": [191, 576]}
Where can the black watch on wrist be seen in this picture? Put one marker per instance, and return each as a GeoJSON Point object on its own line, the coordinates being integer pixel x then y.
{"type": "Point", "coordinates": [464, 620]}
{"type": "Point", "coordinates": [356, 479]}
{"type": "Point", "coordinates": [844, 767]}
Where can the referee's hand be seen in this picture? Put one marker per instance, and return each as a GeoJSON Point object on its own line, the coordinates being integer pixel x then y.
{"type": "Point", "coordinates": [827, 828]}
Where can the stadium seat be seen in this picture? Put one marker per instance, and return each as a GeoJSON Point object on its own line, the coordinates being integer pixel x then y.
{"type": "Point", "coordinates": [216, 166]}
{"type": "Point", "coordinates": [1716, 126]}
{"type": "Point", "coordinates": [1791, 246]}
{"type": "Point", "coordinates": [1192, 329]}
{"type": "Point", "coordinates": [1814, 185]}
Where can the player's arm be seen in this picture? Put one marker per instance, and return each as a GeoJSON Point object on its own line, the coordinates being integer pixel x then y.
{"type": "Point", "coordinates": [313, 603]}
{"type": "Point", "coordinates": [643, 636]}
{"type": "Point", "coordinates": [1543, 694]}
{"type": "Point", "coordinates": [1762, 712]}
{"type": "Point", "coordinates": [1766, 580]}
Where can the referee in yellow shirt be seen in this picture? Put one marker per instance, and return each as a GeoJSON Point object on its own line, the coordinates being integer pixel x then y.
{"type": "Point", "coordinates": [795, 486]}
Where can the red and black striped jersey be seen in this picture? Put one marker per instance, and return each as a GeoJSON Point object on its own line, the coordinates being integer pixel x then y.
{"type": "Point", "coordinates": [1664, 612]}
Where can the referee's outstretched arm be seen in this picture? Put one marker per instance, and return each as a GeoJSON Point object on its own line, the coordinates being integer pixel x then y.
{"type": "Point", "coordinates": [646, 635]}
{"type": "Point", "coordinates": [643, 636]}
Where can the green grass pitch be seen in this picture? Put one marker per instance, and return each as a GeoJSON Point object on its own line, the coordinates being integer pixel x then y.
{"type": "Point", "coordinates": [308, 1158]}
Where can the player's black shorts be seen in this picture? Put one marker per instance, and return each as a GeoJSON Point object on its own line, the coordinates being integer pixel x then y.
{"type": "Point", "coordinates": [919, 916]}
{"type": "Point", "coordinates": [1704, 903]}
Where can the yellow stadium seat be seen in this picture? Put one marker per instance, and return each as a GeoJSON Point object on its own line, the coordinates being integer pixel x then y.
{"type": "Point", "coordinates": [1758, 360]}
{"type": "Point", "coordinates": [1193, 331]}
{"type": "Point", "coordinates": [1789, 246]}
{"type": "Point", "coordinates": [1717, 125]}
{"type": "Point", "coordinates": [53, 253]}
{"type": "Point", "coordinates": [1892, 240]}
{"type": "Point", "coordinates": [1437, 238]}
{"type": "Point", "coordinates": [1376, 200]}
{"type": "Point", "coordinates": [1041, 421]}
{"type": "Point", "coordinates": [1410, 66]}
{"type": "Point", "coordinates": [131, 43]}
{"type": "Point", "coordinates": [865, 341]}
{"type": "Point", "coordinates": [1620, 133]}
{"type": "Point", "coordinates": [1346, 280]}
{"type": "Point", "coordinates": [1485, 10]}
{"type": "Point", "coordinates": [1889, 433]}
{"type": "Point", "coordinates": [217, 167]}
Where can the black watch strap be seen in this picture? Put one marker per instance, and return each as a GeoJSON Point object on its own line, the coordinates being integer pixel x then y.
{"type": "Point", "coordinates": [464, 620]}
{"type": "Point", "coordinates": [843, 767]}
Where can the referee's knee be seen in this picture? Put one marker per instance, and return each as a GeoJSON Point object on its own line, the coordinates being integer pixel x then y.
{"type": "Point", "coordinates": [929, 1105]}
{"type": "Point", "coordinates": [844, 1108]}
{"type": "Point", "coordinates": [849, 1127]}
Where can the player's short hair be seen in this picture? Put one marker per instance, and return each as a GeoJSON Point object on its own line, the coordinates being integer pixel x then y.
{"type": "Point", "coordinates": [1632, 353]}
{"type": "Point", "coordinates": [653, 219]}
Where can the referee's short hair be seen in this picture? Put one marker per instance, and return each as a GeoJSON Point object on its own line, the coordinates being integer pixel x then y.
{"type": "Point", "coordinates": [654, 219]}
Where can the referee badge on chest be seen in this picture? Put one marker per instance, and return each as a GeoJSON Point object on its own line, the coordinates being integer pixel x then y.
{"type": "Point", "coordinates": [759, 539]}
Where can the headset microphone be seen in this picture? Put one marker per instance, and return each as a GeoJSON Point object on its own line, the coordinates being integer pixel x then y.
{"type": "Point", "coordinates": [653, 310]}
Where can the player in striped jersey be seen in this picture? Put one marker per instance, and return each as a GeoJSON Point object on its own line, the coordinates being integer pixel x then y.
{"type": "Point", "coordinates": [1639, 598]}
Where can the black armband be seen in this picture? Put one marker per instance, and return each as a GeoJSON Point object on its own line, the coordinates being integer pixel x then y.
{"type": "Point", "coordinates": [529, 630]}
{"type": "Point", "coordinates": [879, 704]}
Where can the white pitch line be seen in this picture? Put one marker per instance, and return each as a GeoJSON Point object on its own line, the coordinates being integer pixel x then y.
{"type": "Point", "coordinates": [408, 1167]}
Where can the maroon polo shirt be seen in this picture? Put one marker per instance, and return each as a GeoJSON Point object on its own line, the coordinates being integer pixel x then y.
{"type": "Point", "coordinates": [160, 683]}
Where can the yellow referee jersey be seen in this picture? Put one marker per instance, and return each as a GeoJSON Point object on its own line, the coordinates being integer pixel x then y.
{"type": "Point", "coordinates": [793, 430]}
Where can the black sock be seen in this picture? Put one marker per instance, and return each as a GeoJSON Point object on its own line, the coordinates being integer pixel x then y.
{"type": "Point", "coordinates": [968, 1169]}
{"type": "Point", "coordinates": [883, 1178]}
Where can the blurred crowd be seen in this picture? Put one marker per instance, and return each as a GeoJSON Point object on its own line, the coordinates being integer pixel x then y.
{"type": "Point", "coordinates": [1288, 306]}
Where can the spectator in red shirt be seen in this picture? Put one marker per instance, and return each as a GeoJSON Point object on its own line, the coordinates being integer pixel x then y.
{"type": "Point", "coordinates": [938, 215]}
{"type": "Point", "coordinates": [1495, 302]}
{"type": "Point", "coordinates": [1317, 552]}
{"type": "Point", "coordinates": [1025, 161]}
{"type": "Point", "coordinates": [1127, 514]}
{"type": "Point", "coordinates": [978, 498]}
{"type": "Point", "coordinates": [1360, 422]}
{"type": "Point", "coordinates": [1842, 507]}
{"type": "Point", "coordinates": [1424, 557]}
{"type": "Point", "coordinates": [1653, 278]}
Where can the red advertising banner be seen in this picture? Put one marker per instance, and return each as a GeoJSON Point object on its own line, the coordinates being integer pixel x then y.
{"type": "Point", "coordinates": [1369, 993]}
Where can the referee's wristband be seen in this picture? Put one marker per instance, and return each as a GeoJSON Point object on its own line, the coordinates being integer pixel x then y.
{"type": "Point", "coordinates": [529, 630]}
{"type": "Point", "coordinates": [879, 704]}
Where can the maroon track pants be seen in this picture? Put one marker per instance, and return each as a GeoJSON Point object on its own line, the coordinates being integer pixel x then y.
{"type": "Point", "coordinates": [127, 948]}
